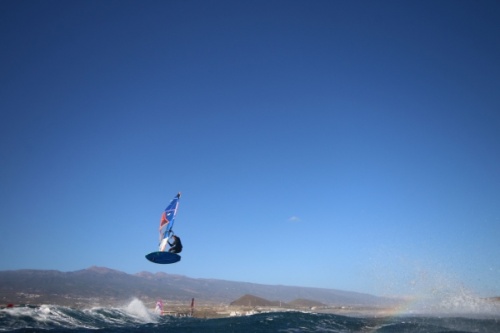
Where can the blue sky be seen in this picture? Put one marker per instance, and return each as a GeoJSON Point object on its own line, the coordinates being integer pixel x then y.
{"type": "Point", "coordinates": [340, 144]}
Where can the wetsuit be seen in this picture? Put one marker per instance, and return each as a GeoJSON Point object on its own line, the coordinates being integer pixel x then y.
{"type": "Point", "coordinates": [176, 246]}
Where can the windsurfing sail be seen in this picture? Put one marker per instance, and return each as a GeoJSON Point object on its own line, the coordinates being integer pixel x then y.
{"type": "Point", "coordinates": [167, 221]}
{"type": "Point", "coordinates": [159, 307]}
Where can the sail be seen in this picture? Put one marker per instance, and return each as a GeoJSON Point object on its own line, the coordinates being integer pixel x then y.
{"type": "Point", "coordinates": [159, 307]}
{"type": "Point", "coordinates": [167, 221]}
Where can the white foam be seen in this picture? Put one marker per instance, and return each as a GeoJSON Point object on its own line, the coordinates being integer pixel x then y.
{"type": "Point", "coordinates": [138, 310]}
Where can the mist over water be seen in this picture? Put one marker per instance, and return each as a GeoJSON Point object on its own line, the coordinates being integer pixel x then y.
{"type": "Point", "coordinates": [428, 288]}
{"type": "Point", "coordinates": [452, 301]}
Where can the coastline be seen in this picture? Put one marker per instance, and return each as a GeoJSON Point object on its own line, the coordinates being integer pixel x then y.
{"type": "Point", "coordinates": [224, 311]}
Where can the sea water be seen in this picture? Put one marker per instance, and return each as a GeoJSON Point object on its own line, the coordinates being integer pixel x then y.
{"type": "Point", "coordinates": [135, 317]}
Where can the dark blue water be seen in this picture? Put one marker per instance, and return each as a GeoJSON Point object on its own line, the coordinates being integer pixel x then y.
{"type": "Point", "coordinates": [136, 318]}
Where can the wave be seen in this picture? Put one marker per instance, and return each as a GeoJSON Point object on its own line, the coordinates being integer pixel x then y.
{"type": "Point", "coordinates": [135, 317]}
{"type": "Point", "coordinates": [50, 317]}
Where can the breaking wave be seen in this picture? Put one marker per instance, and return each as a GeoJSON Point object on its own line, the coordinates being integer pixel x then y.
{"type": "Point", "coordinates": [49, 317]}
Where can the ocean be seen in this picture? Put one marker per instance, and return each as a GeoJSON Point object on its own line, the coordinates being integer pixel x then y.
{"type": "Point", "coordinates": [135, 317]}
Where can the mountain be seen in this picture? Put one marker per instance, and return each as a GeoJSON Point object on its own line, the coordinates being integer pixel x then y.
{"type": "Point", "coordinates": [254, 301]}
{"type": "Point", "coordinates": [104, 286]}
{"type": "Point", "coordinates": [250, 300]}
{"type": "Point", "coordinates": [305, 303]}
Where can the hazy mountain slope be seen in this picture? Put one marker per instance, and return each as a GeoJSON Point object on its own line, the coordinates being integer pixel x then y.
{"type": "Point", "coordinates": [99, 285]}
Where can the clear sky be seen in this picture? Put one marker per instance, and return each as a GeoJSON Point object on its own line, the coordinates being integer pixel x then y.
{"type": "Point", "coordinates": [352, 145]}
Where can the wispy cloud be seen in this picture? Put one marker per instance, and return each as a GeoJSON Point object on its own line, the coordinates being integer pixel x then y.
{"type": "Point", "coordinates": [294, 219]}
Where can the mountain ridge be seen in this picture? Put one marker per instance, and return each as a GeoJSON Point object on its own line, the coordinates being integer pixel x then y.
{"type": "Point", "coordinates": [105, 286]}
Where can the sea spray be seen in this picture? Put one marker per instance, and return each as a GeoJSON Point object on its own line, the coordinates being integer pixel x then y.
{"type": "Point", "coordinates": [430, 291]}
{"type": "Point", "coordinates": [452, 301]}
{"type": "Point", "coordinates": [426, 287]}
{"type": "Point", "coordinates": [48, 317]}
{"type": "Point", "coordinates": [138, 310]}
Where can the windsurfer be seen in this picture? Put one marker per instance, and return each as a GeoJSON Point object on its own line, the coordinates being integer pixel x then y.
{"type": "Point", "coordinates": [166, 255]}
{"type": "Point", "coordinates": [159, 307]}
{"type": "Point", "coordinates": [176, 245]}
